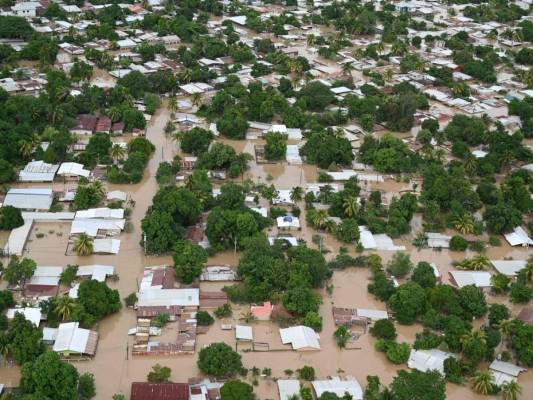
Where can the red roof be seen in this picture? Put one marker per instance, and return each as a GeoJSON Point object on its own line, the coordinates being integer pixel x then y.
{"type": "Point", "coordinates": [103, 125]}
{"type": "Point", "coordinates": [264, 310]}
{"type": "Point", "coordinates": [159, 391]}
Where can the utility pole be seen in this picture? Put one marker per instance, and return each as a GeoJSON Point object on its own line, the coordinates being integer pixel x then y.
{"type": "Point", "coordinates": [144, 242]}
{"type": "Point", "coordinates": [127, 351]}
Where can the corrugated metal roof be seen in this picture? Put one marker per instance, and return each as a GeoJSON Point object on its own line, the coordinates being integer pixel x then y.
{"type": "Point", "coordinates": [301, 337]}
{"type": "Point", "coordinates": [31, 314]}
{"type": "Point", "coordinates": [508, 267]}
{"type": "Point", "coordinates": [426, 360]}
{"type": "Point", "coordinates": [288, 388]}
{"type": "Point", "coordinates": [339, 387]}
{"type": "Point", "coordinates": [17, 239]}
{"type": "Point", "coordinates": [29, 199]}
{"type": "Point", "coordinates": [373, 315]}
{"type": "Point", "coordinates": [106, 246]}
{"type": "Point", "coordinates": [102, 212]}
{"type": "Point", "coordinates": [477, 278]}
{"type": "Point", "coordinates": [70, 337]}
{"type": "Point", "coordinates": [506, 368]}
{"type": "Point", "coordinates": [244, 332]}
{"type": "Point", "coordinates": [169, 297]}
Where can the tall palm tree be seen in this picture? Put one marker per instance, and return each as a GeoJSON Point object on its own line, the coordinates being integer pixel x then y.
{"type": "Point", "coordinates": [242, 161]}
{"type": "Point", "coordinates": [380, 47]}
{"type": "Point", "coordinates": [389, 74]}
{"type": "Point", "coordinates": [4, 345]}
{"type": "Point", "coordinates": [310, 39]}
{"type": "Point", "coordinates": [351, 207]}
{"type": "Point", "coordinates": [504, 327]}
{"type": "Point", "coordinates": [99, 188]}
{"type": "Point", "coordinates": [511, 390]}
{"type": "Point", "coordinates": [248, 317]}
{"type": "Point", "coordinates": [169, 127]}
{"type": "Point", "coordinates": [506, 159]}
{"type": "Point", "coordinates": [83, 245]}
{"type": "Point", "coordinates": [347, 68]}
{"type": "Point", "coordinates": [296, 82]}
{"type": "Point", "coordinates": [528, 79]}
{"type": "Point", "coordinates": [188, 182]}
{"type": "Point", "coordinates": [507, 34]}
{"type": "Point", "coordinates": [173, 104]}
{"type": "Point", "coordinates": [483, 382]}
{"type": "Point", "coordinates": [26, 148]}
{"type": "Point", "coordinates": [398, 48]}
{"type": "Point", "coordinates": [269, 193]}
{"type": "Point", "coordinates": [116, 152]}
{"type": "Point", "coordinates": [64, 307]}
{"type": "Point", "coordinates": [326, 193]}
{"type": "Point", "coordinates": [186, 75]}
{"type": "Point", "coordinates": [297, 194]}
{"type": "Point", "coordinates": [518, 36]}
{"type": "Point", "coordinates": [492, 35]}
{"type": "Point", "coordinates": [359, 52]}
{"type": "Point", "coordinates": [115, 114]}
{"type": "Point", "coordinates": [528, 269]}
{"type": "Point", "coordinates": [464, 224]}
{"type": "Point", "coordinates": [470, 163]}
{"type": "Point", "coordinates": [320, 219]}
{"type": "Point", "coordinates": [460, 89]}
{"type": "Point", "coordinates": [196, 99]}
{"type": "Point", "coordinates": [479, 262]}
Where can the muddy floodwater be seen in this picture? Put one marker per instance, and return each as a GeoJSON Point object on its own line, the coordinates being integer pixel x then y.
{"type": "Point", "coordinates": [115, 369]}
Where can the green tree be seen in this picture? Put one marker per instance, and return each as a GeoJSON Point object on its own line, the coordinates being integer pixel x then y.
{"type": "Point", "coordinates": [96, 300]}
{"type": "Point", "coordinates": [236, 390]}
{"type": "Point", "coordinates": [400, 264]}
{"type": "Point", "coordinates": [316, 95]}
{"type": "Point", "coordinates": [49, 377]}
{"type": "Point", "coordinates": [350, 206]}
{"type": "Point", "coordinates": [64, 307]}
{"type": "Point", "coordinates": [483, 382]}
{"type": "Point", "coordinates": [424, 275]}
{"type": "Point", "coordinates": [464, 224]}
{"type": "Point", "coordinates": [348, 231]}
{"type": "Point", "coordinates": [86, 386]}
{"type": "Point", "coordinates": [24, 339]}
{"type": "Point", "coordinates": [307, 373]}
{"type": "Point", "coordinates": [232, 124]}
{"type": "Point", "coordinates": [196, 141]}
{"type": "Point", "coordinates": [10, 218]}
{"type": "Point", "coordinates": [383, 329]}
{"type": "Point", "coordinates": [159, 373]}
{"type": "Point", "coordinates": [189, 260]}
{"type": "Point", "coordinates": [276, 146]}
{"type": "Point", "coordinates": [203, 318]}
{"type": "Point", "coordinates": [219, 359]}
{"type": "Point", "coordinates": [313, 320]}
{"type": "Point", "coordinates": [418, 385]}
{"type": "Point", "coordinates": [19, 271]}
{"type": "Point", "coordinates": [408, 303]}
{"type": "Point", "coordinates": [511, 390]}
{"type": "Point", "coordinates": [501, 218]}
{"type": "Point", "coordinates": [341, 336]}
{"type": "Point", "coordinates": [301, 300]}
{"type": "Point", "coordinates": [297, 195]}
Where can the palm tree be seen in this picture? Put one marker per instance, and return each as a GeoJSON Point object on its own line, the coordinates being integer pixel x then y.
{"type": "Point", "coordinates": [470, 163]}
{"type": "Point", "coordinates": [269, 193]}
{"type": "Point", "coordinates": [169, 127]}
{"type": "Point", "coordinates": [64, 307]}
{"type": "Point", "coordinates": [248, 317]}
{"type": "Point", "coordinates": [326, 193]}
{"type": "Point", "coordinates": [242, 161]}
{"type": "Point", "coordinates": [528, 79]}
{"type": "Point", "coordinates": [492, 35]}
{"type": "Point", "coordinates": [188, 182]}
{"type": "Point", "coordinates": [295, 82]}
{"type": "Point", "coordinates": [4, 345]}
{"type": "Point", "coordinates": [380, 47]}
{"type": "Point", "coordinates": [518, 36]}
{"type": "Point", "coordinates": [196, 99]}
{"type": "Point", "coordinates": [528, 270]}
{"type": "Point", "coordinates": [460, 89]}
{"type": "Point", "coordinates": [115, 114]}
{"type": "Point", "coordinates": [297, 194]}
{"type": "Point", "coordinates": [116, 152]}
{"type": "Point", "coordinates": [389, 74]}
{"type": "Point", "coordinates": [173, 104]}
{"type": "Point", "coordinates": [310, 39]}
{"type": "Point", "coordinates": [479, 263]}
{"type": "Point", "coordinates": [483, 382]}
{"type": "Point", "coordinates": [347, 68]}
{"type": "Point", "coordinates": [507, 34]}
{"type": "Point", "coordinates": [359, 52]}
{"type": "Point", "coordinates": [350, 206]}
{"type": "Point", "coordinates": [504, 327]}
{"type": "Point", "coordinates": [440, 155]}
{"type": "Point", "coordinates": [476, 335]}
{"type": "Point", "coordinates": [511, 390]}
{"type": "Point", "coordinates": [185, 75]}
{"type": "Point", "coordinates": [83, 245]}
{"type": "Point", "coordinates": [486, 119]}
{"type": "Point", "coordinates": [506, 159]}
{"type": "Point", "coordinates": [99, 188]}
{"type": "Point", "coordinates": [176, 137]}
{"type": "Point", "coordinates": [464, 224]}
{"type": "Point", "coordinates": [320, 219]}
{"type": "Point", "coordinates": [55, 114]}
{"type": "Point", "coordinates": [26, 148]}
{"type": "Point", "coordinates": [398, 48]}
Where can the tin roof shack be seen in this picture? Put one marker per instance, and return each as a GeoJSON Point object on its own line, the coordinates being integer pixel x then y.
{"type": "Point", "coordinates": [508, 267]}
{"type": "Point", "coordinates": [159, 391]}
{"type": "Point", "coordinates": [34, 315]}
{"type": "Point", "coordinates": [18, 238]}
{"type": "Point", "coordinates": [262, 313]}
{"type": "Point", "coordinates": [71, 340]}
{"type": "Point", "coordinates": [526, 315]}
{"type": "Point", "coordinates": [427, 360]}
{"type": "Point", "coordinates": [339, 386]}
{"type": "Point", "coordinates": [44, 282]}
{"type": "Point", "coordinates": [218, 273]}
{"type": "Point", "coordinates": [73, 170]}
{"type": "Point", "coordinates": [302, 338]}
{"type": "Point", "coordinates": [96, 272]}
{"type": "Point", "coordinates": [480, 279]}
{"type": "Point", "coordinates": [29, 199]}
{"type": "Point", "coordinates": [288, 388]}
{"type": "Point", "coordinates": [205, 389]}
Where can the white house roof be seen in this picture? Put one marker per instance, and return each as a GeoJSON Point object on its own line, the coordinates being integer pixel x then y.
{"type": "Point", "coordinates": [29, 199]}
{"type": "Point", "coordinates": [92, 226]}
{"type": "Point", "coordinates": [477, 278]}
{"type": "Point", "coordinates": [117, 195]}
{"type": "Point", "coordinates": [46, 276]}
{"type": "Point", "coordinates": [72, 168]}
{"type": "Point", "coordinates": [504, 371]}
{"type": "Point", "coordinates": [106, 246]}
{"type": "Point", "coordinates": [508, 267]}
{"type": "Point", "coordinates": [70, 337]}
{"type": "Point", "coordinates": [301, 337]}
{"type": "Point", "coordinates": [288, 388]}
{"type": "Point", "coordinates": [339, 387]}
{"type": "Point", "coordinates": [31, 314]}
{"type": "Point", "coordinates": [244, 332]}
{"type": "Point", "coordinates": [291, 239]}
{"type": "Point", "coordinates": [373, 315]}
{"type": "Point", "coordinates": [102, 212]}
{"type": "Point", "coordinates": [38, 171]}
{"type": "Point", "coordinates": [426, 360]}
{"type": "Point", "coordinates": [169, 297]}
{"type": "Point", "coordinates": [288, 222]}
{"type": "Point", "coordinates": [17, 239]}
{"type": "Point", "coordinates": [97, 272]}
{"type": "Point", "coordinates": [518, 238]}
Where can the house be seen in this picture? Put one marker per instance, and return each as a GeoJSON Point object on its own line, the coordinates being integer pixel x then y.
{"type": "Point", "coordinates": [288, 222]}
{"type": "Point", "coordinates": [526, 315]}
{"type": "Point", "coordinates": [244, 333]}
{"type": "Point", "coordinates": [72, 340]}
{"type": "Point", "coordinates": [116, 195]}
{"type": "Point", "coordinates": [480, 279]}
{"type": "Point", "coordinates": [85, 125]}
{"type": "Point", "coordinates": [32, 314]}
{"type": "Point", "coordinates": [518, 237]}
{"type": "Point", "coordinates": [288, 388]}
{"type": "Point", "coordinates": [44, 282]}
{"type": "Point", "coordinates": [38, 171]}
{"type": "Point", "coordinates": [97, 227]}
{"type": "Point", "coordinates": [73, 170]}
{"type": "Point", "coordinates": [159, 391]}
{"type": "Point", "coordinates": [18, 238]}
{"type": "Point", "coordinates": [96, 272]}
{"type": "Point", "coordinates": [508, 267]}
{"type": "Point", "coordinates": [302, 338]}
{"type": "Point", "coordinates": [106, 246]}
{"type": "Point", "coordinates": [27, 9]}
{"type": "Point", "coordinates": [169, 297]}
{"type": "Point", "coordinates": [339, 386]}
{"type": "Point", "coordinates": [428, 360]}
{"type": "Point", "coordinates": [29, 199]}
{"type": "Point", "coordinates": [101, 213]}
{"type": "Point", "coordinates": [436, 240]}
{"type": "Point", "coordinates": [262, 313]}
{"type": "Point", "coordinates": [504, 371]}
{"type": "Point", "coordinates": [218, 273]}
{"type": "Point", "coordinates": [103, 125]}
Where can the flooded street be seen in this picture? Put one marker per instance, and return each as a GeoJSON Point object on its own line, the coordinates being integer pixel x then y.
{"type": "Point", "coordinates": [115, 369]}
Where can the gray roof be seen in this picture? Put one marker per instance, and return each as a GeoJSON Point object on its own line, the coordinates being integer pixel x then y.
{"type": "Point", "coordinates": [29, 199]}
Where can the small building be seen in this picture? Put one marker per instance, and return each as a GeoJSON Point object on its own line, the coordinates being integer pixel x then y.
{"type": "Point", "coordinates": [38, 171]}
{"type": "Point", "coordinates": [73, 170]}
{"type": "Point", "coordinates": [508, 267]}
{"type": "Point", "coordinates": [159, 391]}
{"type": "Point", "coordinates": [218, 273]}
{"type": "Point", "coordinates": [288, 222]}
{"type": "Point", "coordinates": [288, 388]}
{"type": "Point", "coordinates": [106, 246]}
{"type": "Point", "coordinates": [44, 282]}
{"type": "Point", "coordinates": [18, 238]}
{"type": "Point", "coordinates": [427, 360]}
{"type": "Point", "coordinates": [302, 338]}
{"type": "Point", "coordinates": [526, 315]}
{"type": "Point", "coordinates": [262, 313]}
{"type": "Point", "coordinates": [72, 340]}
{"type": "Point", "coordinates": [29, 199]}
{"type": "Point", "coordinates": [436, 240]}
{"type": "Point", "coordinates": [479, 279]}
{"type": "Point", "coordinates": [504, 371]}
{"type": "Point", "coordinates": [339, 387]}
{"type": "Point", "coordinates": [518, 237]}
{"type": "Point", "coordinates": [32, 314]}
{"type": "Point", "coordinates": [244, 333]}
{"type": "Point", "coordinates": [169, 297]}
{"type": "Point", "coordinates": [85, 125]}
{"type": "Point", "coordinates": [117, 195]}
{"type": "Point", "coordinates": [96, 272]}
